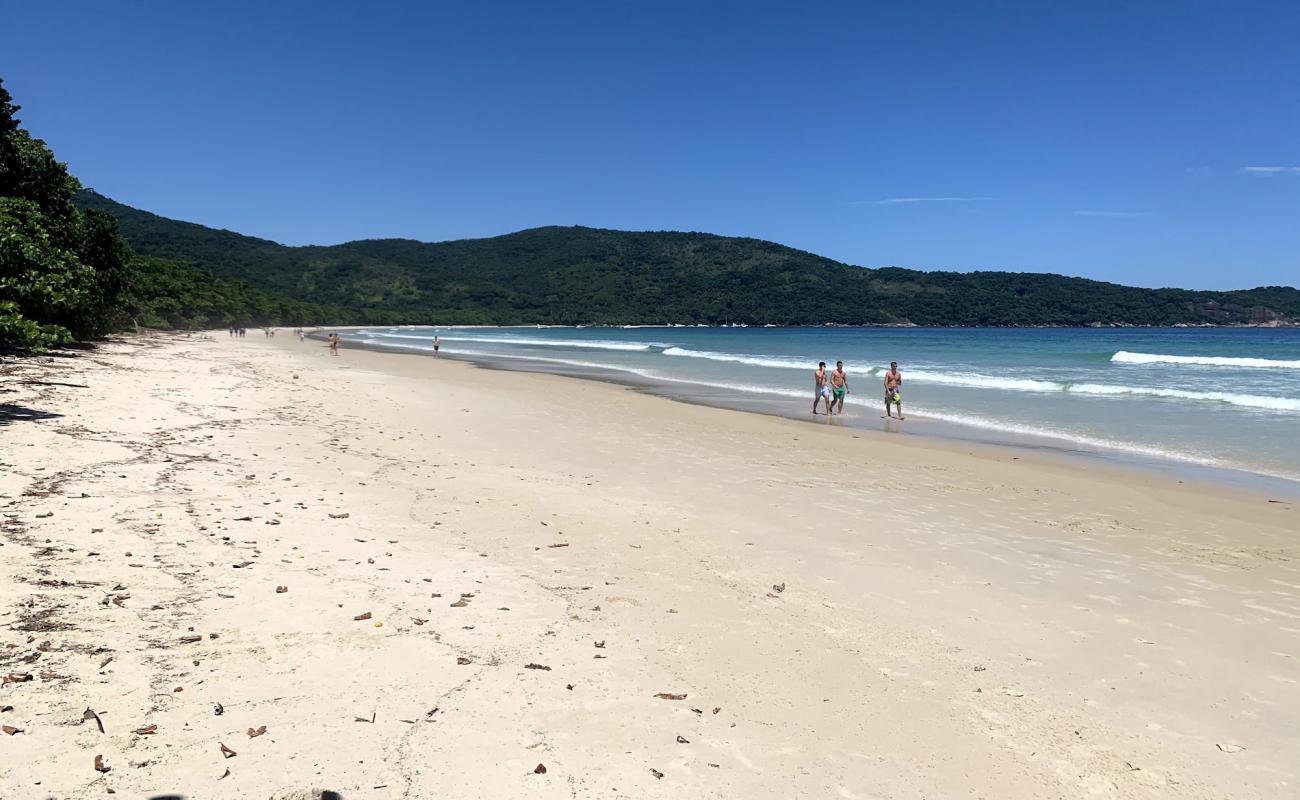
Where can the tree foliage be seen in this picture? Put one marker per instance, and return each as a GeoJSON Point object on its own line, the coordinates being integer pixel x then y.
{"type": "Point", "coordinates": [62, 270]}
{"type": "Point", "coordinates": [165, 293]}
{"type": "Point", "coordinates": [591, 276]}
{"type": "Point", "coordinates": [66, 273]}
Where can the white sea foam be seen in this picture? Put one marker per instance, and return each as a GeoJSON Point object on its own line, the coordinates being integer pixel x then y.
{"type": "Point", "coordinates": [776, 362]}
{"type": "Point", "coordinates": [1092, 442]}
{"type": "Point", "coordinates": [1245, 400]}
{"type": "Point", "coordinates": [1125, 357]}
{"type": "Point", "coordinates": [983, 381]}
{"type": "Point", "coordinates": [588, 344]}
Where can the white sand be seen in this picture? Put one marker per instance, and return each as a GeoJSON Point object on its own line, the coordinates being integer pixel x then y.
{"type": "Point", "coordinates": [963, 623]}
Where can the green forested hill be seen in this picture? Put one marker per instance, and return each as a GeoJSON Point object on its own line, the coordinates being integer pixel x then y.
{"type": "Point", "coordinates": [587, 275]}
{"type": "Point", "coordinates": [66, 274]}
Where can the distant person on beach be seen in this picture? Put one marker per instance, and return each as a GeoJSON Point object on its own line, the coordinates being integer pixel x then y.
{"type": "Point", "coordinates": [820, 390]}
{"type": "Point", "coordinates": [436, 344]}
{"type": "Point", "coordinates": [334, 344]}
{"type": "Point", "coordinates": [893, 389]}
{"type": "Point", "coordinates": [839, 388]}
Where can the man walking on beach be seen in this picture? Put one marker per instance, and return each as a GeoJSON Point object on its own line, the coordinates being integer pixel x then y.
{"type": "Point", "coordinates": [839, 388]}
{"type": "Point", "coordinates": [820, 390]}
{"type": "Point", "coordinates": [893, 386]}
{"type": "Point", "coordinates": [437, 343]}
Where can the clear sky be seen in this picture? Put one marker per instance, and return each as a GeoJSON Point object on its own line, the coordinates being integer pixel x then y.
{"type": "Point", "coordinates": [1139, 142]}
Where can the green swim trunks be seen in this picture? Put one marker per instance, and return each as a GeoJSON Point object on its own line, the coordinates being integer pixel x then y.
{"type": "Point", "coordinates": [838, 391]}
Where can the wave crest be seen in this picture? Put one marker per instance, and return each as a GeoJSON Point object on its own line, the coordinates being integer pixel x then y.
{"type": "Point", "coordinates": [1125, 357]}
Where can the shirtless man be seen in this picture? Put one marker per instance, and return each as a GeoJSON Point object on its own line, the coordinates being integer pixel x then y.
{"type": "Point", "coordinates": [820, 390]}
{"type": "Point", "coordinates": [893, 385]}
{"type": "Point", "coordinates": [437, 343]}
{"type": "Point", "coordinates": [839, 388]}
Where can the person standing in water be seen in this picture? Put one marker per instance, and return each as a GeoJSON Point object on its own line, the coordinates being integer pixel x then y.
{"type": "Point", "coordinates": [893, 387]}
{"type": "Point", "coordinates": [436, 344]}
{"type": "Point", "coordinates": [820, 390]}
{"type": "Point", "coordinates": [839, 388]}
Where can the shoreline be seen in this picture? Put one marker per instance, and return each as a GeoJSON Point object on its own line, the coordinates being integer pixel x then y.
{"type": "Point", "coordinates": [486, 571]}
{"type": "Point", "coordinates": [933, 428]}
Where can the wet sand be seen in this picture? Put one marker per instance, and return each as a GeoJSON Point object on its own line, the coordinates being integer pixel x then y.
{"type": "Point", "coordinates": [871, 616]}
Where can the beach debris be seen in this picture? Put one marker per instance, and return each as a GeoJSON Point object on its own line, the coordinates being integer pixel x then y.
{"type": "Point", "coordinates": [225, 774]}
{"type": "Point", "coordinates": [698, 710]}
{"type": "Point", "coordinates": [17, 677]}
{"type": "Point", "coordinates": [682, 739]}
{"type": "Point", "coordinates": [218, 710]}
{"type": "Point", "coordinates": [243, 519]}
{"type": "Point", "coordinates": [568, 686]}
{"type": "Point", "coordinates": [669, 696]}
{"type": "Point", "coordinates": [104, 662]}
{"type": "Point", "coordinates": [242, 564]}
{"type": "Point", "coordinates": [10, 730]}
{"type": "Point", "coordinates": [1012, 692]}
{"type": "Point", "coordinates": [656, 773]}
{"type": "Point", "coordinates": [418, 621]}
{"type": "Point", "coordinates": [100, 766]}
{"type": "Point", "coordinates": [559, 544]}
{"type": "Point", "coordinates": [600, 644]}
{"type": "Point", "coordinates": [778, 587]}
{"type": "Point", "coordinates": [461, 603]}
{"type": "Point", "coordinates": [226, 752]}
{"type": "Point", "coordinates": [372, 718]}
{"type": "Point", "coordinates": [980, 667]}
{"type": "Point", "coordinates": [6, 708]}
{"type": "Point", "coordinates": [90, 714]}
{"type": "Point", "coordinates": [146, 730]}
{"type": "Point", "coordinates": [253, 733]}
{"type": "Point", "coordinates": [360, 617]}
{"type": "Point", "coordinates": [716, 709]}
{"type": "Point", "coordinates": [379, 624]}
{"type": "Point", "coordinates": [540, 769]}
{"type": "Point", "coordinates": [344, 515]}
{"type": "Point", "coordinates": [1230, 748]}
{"type": "Point", "coordinates": [531, 665]}
{"type": "Point", "coordinates": [1132, 768]}
{"type": "Point", "coordinates": [461, 660]}
{"type": "Point", "coordinates": [715, 766]}
{"type": "Point", "coordinates": [191, 639]}
{"type": "Point", "coordinates": [281, 589]}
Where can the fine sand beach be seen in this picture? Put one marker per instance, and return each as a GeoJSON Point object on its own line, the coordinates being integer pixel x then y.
{"type": "Point", "coordinates": [265, 571]}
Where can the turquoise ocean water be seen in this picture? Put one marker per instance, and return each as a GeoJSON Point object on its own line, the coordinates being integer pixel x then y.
{"type": "Point", "coordinates": [1224, 399]}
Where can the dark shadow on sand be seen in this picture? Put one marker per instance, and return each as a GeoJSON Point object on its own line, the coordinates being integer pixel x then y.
{"type": "Point", "coordinates": [10, 413]}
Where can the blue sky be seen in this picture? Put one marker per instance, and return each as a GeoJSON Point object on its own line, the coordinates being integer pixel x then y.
{"type": "Point", "coordinates": [1144, 143]}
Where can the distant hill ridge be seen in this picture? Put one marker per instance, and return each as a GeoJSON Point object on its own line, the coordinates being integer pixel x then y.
{"type": "Point", "coordinates": [574, 275]}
